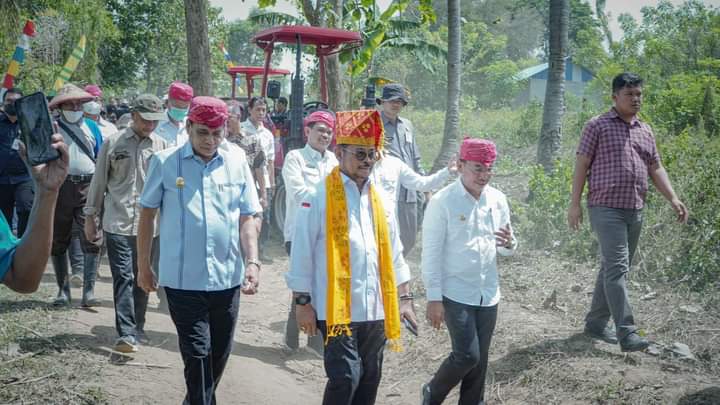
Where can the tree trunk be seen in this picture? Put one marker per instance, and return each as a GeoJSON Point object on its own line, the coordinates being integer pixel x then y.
{"type": "Point", "coordinates": [198, 53]}
{"type": "Point", "coordinates": [551, 132]}
{"type": "Point", "coordinates": [454, 70]}
{"type": "Point", "coordinates": [336, 94]}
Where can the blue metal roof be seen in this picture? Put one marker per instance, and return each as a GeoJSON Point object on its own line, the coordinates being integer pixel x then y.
{"type": "Point", "coordinates": [531, 71]}
{"type": "Point", "coordinates": [541, 72]}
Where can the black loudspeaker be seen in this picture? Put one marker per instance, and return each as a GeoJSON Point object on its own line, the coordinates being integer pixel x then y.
{"type": "Point", "coordinates": [273, 89]}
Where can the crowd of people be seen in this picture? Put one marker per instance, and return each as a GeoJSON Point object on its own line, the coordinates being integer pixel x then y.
{"type": "Point", "coordinates": [179, 197]}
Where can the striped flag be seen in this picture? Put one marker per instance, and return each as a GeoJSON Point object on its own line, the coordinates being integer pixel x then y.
{"type": "Point", "coordinates": [226, 55]}
{"type": "Point", "coordinates": [18, 56]}
{"type": "Point", "coordinates": [72, 63]}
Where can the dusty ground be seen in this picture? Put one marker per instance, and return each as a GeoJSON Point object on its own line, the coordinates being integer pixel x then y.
{"type": "Point", "coordinates": [538, 355]}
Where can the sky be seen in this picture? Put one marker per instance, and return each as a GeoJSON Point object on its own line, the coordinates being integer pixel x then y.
{"type": "Point", "coordinates": [239, 9]}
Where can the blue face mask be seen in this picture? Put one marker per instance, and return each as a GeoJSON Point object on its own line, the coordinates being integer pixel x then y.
{"type": "Point", "coordinates": [177, 114]}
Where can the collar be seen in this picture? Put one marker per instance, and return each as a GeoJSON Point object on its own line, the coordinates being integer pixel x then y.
{"type": "Point", "coordinates": [614, 114]}
{"type": "Point", "coordinates": [130, 133]}
{"type": "Point", "coordinates": [313, 154]}
{"type": "Point", "coordinates": [466, 194]}
{"type": "Point", "coordinates": [249, 124]}
{"type": "Point", "coordinates": [386, 120]}
{"type": "Point", "coordinates": [347, 180]}
{"type": "Point", "coordinates": [187, 152]}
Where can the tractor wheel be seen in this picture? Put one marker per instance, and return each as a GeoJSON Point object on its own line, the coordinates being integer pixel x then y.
{"type": "Point", "coordinates": [278, 208]}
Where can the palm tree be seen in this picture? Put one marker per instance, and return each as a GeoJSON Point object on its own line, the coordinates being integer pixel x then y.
{"type": "Point", "coordinates": [454, 71]}
{"type": "Point", "coordinates": [198, 50]}
{"type": "Point", "coordinates": [553, 109]}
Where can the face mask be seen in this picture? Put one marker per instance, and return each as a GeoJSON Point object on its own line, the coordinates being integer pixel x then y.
{"type": "Point", "coordinates": [92, 108]}
{"type": "Point", "coordinates": [10, 109]}
{"type": "Point", "coordinates": [72, 116]}
{"type": "Point", "coordinates": [177, 114]}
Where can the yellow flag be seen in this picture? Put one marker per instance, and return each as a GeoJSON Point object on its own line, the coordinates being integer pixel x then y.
{"type": "Point", "coordinates": [72, 63]}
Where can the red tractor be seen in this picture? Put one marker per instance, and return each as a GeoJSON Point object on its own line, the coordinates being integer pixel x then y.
{"type": "Point", "coordinates": [327, 41]}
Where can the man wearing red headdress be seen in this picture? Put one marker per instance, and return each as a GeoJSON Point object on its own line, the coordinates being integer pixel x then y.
{"type": "Point", "coordinates": [173, 130]}
{"type": "Point", "coordinates": [466, 225]}
{"type": "Point", "coordinates": [303, 170]}
{"type": "Point", "coordinates": [207, 199]}
{"type": "Point", "coordinates": [347, 271]}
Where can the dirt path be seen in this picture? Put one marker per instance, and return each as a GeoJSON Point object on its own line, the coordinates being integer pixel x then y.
{"type": "Point", "coordinates": [259, 371]}
{"type": "Point", "coordinates": [537, 355]}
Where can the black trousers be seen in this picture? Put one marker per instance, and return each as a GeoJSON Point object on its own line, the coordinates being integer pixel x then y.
{"type": "Point", "coordinates": [353, 364]}
{"type": "Point", "coordinates": [68, 211]}
{"type": "Point", "coordinates": [471, 329]}
{"type": "Point", "coordinates": [18, 197]}
{"type": "Point", "coordinates": [205, 323]}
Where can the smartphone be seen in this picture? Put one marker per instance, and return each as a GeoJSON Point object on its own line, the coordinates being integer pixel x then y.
{"type": "Point", "coordinates": [409, 326]}
{"type": "Point", "coordinates": [36, 128]}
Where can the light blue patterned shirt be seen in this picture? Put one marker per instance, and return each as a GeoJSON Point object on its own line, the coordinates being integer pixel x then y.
{"type": "Point", "coordinates": [200, 216]}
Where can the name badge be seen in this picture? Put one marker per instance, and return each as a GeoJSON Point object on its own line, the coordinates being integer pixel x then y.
{"type": "Point", "coordinates": [16, 144]}
{"type": "Point", "coordinates": [408, 136]}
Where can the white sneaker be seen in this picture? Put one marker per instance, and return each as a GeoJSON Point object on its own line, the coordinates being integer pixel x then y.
{"type": "Point", "coordinates": [126, 344]}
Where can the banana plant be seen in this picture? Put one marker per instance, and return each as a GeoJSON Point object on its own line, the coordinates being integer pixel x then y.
{"type": "Point", "coordinates": [379, 29]}
{"type": "Point", "coordinates": [385, 29]}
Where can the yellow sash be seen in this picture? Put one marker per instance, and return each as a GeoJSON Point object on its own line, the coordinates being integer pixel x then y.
{"type": "Point", "coordinates": [338, 263]}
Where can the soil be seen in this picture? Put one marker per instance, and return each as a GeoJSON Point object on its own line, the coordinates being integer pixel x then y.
{"type": "Point", "coordinates": [538, 355]}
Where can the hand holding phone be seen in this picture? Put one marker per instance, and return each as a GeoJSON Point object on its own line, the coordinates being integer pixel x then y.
{"type": "Point", "coordinates": [36, 128]}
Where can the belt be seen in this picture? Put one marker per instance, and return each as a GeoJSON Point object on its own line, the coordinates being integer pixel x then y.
{"type": "Point", "coordinates": [79, 178]}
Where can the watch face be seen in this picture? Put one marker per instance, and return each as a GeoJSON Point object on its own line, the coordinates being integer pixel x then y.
{"type": "Point", "coordinates": [302, 299]}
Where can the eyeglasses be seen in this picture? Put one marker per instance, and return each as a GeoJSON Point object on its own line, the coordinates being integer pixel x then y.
{"type": "Point", "coordinates": [362, 155]}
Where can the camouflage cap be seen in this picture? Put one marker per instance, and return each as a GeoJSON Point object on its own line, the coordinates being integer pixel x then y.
{"type": "Point", "coordinates": [149, 106]}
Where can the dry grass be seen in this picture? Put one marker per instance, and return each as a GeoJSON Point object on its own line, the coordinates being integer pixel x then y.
{"type": "Point", "coordinates": [539, 355]}
{"type": "Point", "coordinates": [39, 362]}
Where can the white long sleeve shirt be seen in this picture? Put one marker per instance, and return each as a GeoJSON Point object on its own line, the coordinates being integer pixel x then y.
{"type": "Point", "coordinates": [390, 173]}
{"type": "Point", "coordinates": [308, 259]}
{"type": "Point", "coordinates": [302, 170]}
{"type": "Point", "coordinates": [459, 247]}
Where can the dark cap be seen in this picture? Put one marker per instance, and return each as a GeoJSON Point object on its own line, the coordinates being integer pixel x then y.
{"type": "Point", "coordinates": [149, 106]}
{"type": "Point", "coordinates": [393, 91]}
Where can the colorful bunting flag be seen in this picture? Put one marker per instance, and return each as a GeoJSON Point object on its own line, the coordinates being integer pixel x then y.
{"type": "Point", "coordinates": [18, 56]}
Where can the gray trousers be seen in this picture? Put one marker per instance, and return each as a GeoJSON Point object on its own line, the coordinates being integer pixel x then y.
{"type": "Point", "coordinates": [408, 224]}
{"type": "Point", "coordinates": [471, 329]}
{"type": "Point", "coordinates": [618, 231]}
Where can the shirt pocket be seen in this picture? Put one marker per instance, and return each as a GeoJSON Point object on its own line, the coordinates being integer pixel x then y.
{"type": "Point", "coordinates": [121, 163]}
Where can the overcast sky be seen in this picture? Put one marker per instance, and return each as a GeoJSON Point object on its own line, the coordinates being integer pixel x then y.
{"type": "Point", "coordinates": [239, 9]}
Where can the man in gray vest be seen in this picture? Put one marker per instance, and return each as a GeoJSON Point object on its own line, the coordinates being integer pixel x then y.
{"type": "Point", "coordinates": [400, 142]}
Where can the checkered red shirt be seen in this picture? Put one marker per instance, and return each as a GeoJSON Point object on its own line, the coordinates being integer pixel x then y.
{"type": "Point", "coordinates": [620, 154]}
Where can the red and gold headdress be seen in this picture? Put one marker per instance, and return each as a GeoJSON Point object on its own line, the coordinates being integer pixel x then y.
{"type": "Point", "coordinates": [360, 127]}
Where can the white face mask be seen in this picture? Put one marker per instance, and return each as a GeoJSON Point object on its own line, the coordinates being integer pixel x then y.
{"type": "Point", "coordinates": [92, 107]}
{"type": "Point", "coordinates": [72, 117]}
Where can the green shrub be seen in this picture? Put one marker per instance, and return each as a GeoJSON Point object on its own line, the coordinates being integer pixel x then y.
{"type": "Point", "coordinates": [690, 252]}
{"type": "Point", "coordinates": [544, 220]}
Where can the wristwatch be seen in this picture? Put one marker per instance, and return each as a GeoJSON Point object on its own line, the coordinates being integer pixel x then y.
{"type": "Point", "coordinates": [302, 299]}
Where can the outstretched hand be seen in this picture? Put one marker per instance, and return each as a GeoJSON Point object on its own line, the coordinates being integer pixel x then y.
{"type": "Point", "coordinates": [452, 164]}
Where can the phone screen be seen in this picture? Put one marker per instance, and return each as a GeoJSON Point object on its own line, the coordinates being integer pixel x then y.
{"type": "Point", "coordinates": [36, 128]}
